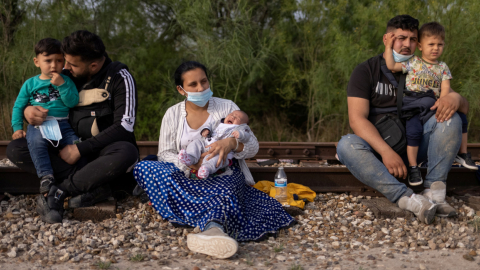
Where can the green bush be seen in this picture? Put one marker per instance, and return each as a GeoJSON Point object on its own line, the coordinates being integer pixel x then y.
{"type": "Point", "coordinates": [285, 62]}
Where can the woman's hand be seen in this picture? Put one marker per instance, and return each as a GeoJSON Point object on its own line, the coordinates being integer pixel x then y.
{"type": "Point", "coordinates": [221, 148]}
{"type": "Point", "coordinates": [199, 163]}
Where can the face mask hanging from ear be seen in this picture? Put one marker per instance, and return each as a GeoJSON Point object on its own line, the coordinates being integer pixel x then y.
{"type": "Point", "coordinates": [400, 57]}
{"type": "Point", "coordinates": [51, 130]}
{"type": "Point", "coordinates": [199, 98]}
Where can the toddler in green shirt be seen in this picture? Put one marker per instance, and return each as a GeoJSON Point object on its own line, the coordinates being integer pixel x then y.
{"type": "Point", "coordinates": [56, 93]}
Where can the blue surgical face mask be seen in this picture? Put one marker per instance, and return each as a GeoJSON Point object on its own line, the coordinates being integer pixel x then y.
{"type": "Point", "coordinates": [199, 98]}
{"type": "Point", "coordinates": [400, 57]}
{"type": "Point", "coordinates": [51, 130]}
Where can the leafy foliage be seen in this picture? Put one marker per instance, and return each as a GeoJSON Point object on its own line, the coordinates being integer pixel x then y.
{"type": "Point", "coordinates": [285, 62]}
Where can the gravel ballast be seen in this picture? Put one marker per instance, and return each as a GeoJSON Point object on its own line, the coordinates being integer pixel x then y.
{"type": "Point", "coordinates": [336, 231]}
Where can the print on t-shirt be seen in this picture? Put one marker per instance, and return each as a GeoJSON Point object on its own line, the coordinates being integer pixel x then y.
{"type": "Point", "coordinates": [44, 97]}
{"type": "Point", "coordinates": [423, 76]}
{"type": "Point", "coordinates": [367, 81]}
{"type": "Point", "coordinates": [385, 89]}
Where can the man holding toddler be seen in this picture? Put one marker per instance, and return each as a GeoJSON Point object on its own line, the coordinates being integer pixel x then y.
{"type": "Point", "coordinates": [371, 160]}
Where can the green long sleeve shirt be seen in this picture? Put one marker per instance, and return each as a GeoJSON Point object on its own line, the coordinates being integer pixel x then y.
{"type": "Point", "coordinates": [37, 92]}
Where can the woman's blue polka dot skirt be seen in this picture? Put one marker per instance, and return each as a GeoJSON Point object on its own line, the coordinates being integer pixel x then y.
{"type": "Point", "coordinates": [245, 212]}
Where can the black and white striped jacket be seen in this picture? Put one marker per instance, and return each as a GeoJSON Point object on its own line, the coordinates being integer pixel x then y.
{"type": "Point", "coordinates": [122, 102]}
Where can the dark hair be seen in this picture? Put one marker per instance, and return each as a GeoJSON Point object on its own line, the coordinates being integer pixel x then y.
{"type": "Point", "coordinates": [405, 22]}
{"type": "Point", "coordinates": [48, 46]}
{"type": "Point", "coordinates": [246, 115]}
{"type": "Point", "coordinates": [431, 29]}
{"type": "Point", "coordinates": [185, 67]}
{"type": "Point", "coordinates": [85, 44]}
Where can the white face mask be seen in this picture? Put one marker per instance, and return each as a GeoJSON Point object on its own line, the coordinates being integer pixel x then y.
{"type": "Point", "coordinates": [199, 98]}
{"type": "Point", "coordinates": [51, 130]}
{"type": "Point", "coordinates": [400, 57]}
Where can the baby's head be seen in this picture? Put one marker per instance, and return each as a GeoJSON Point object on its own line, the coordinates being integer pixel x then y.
{"type": "Point", "coordinates": [49, 57]}
{"type": "Point", "coordinates": [431, 41]}
{"type": "Point", "coordinates": [236, 118]}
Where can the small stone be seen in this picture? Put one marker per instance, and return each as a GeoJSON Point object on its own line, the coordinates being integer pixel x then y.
{"type": "Point", "coordinates": [32, 227]}
{"type": "Point", "coordinates": [472, 253]}
{"type": "Point", "coordinates": [196, 230]}
{"type": "Point", "coordinates": [115, 243]}
{"type": "Point", "coordinates": [65, 257]}
{"type": "Point", "coordinates": [468, 257]}
{"type": "Point", "coordinates": [389, 255]}
{"type": "Point", "coordinates": [370, 257]}
{"type": "Point", "coordinates": [119, 216]}
{"type": "Point", "coordinates": [91, 242]}
{"type": "Point", "coordinates": [359, 213]}
{"type": "Point", "coordinates": [281, 258]}
{"type": "Point", "coordinates": [195, 268]}
{"type": "Point", "coordinates": [422, 267]}
{"type": "Point", "coordinates": [12, 254]}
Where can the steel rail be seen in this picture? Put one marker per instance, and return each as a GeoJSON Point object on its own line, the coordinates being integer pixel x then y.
{"type": "Point", "coordinates": [272, 150]}
{"type": "Point", "coordinates": [319, 178]}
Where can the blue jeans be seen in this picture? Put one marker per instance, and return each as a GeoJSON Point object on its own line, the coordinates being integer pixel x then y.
{"type": "Point", "coordinates": [38, 146]}
{"type": "Point", "coordinates": [440, 144]}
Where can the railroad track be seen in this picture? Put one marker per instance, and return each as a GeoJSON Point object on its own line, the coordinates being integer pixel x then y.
{"type": "Point", "coordinates": [319, 178]}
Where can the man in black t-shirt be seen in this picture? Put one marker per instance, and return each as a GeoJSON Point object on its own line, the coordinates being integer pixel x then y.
{"type": "Point", "coordinates": [369, 88]}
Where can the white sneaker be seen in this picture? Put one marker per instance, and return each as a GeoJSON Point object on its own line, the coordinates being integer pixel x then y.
{"type": "Point", "coordinates": [436, 194]}
{"type": "Point", "coordinates": [420, 206]}
{"type": "Point", "coordinates": [212, 242]}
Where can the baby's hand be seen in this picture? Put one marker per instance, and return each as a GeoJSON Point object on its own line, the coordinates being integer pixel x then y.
{"type": "Point", "coordinates": [18, 134]}
{"type": "Point", "coordinates": [390, 40]}
{"type": "Point", "coordinates": [205, 133]}
{"type": "Point", "coordinates": [236, 134]}
{"type": "Point", "coordinates": [57, 79]}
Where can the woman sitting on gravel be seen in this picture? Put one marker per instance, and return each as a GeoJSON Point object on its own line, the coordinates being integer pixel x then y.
{"type": "Point", "coordinates": [224, 205]}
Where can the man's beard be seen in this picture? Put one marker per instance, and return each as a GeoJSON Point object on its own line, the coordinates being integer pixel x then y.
{"type": "Point", "coordinates": [82, 76]}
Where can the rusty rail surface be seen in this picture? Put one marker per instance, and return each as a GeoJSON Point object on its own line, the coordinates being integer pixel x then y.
{"type": "Point", "coordinates": [272, 150]}
{"type": "Point", "coordinates": [319, 178]}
